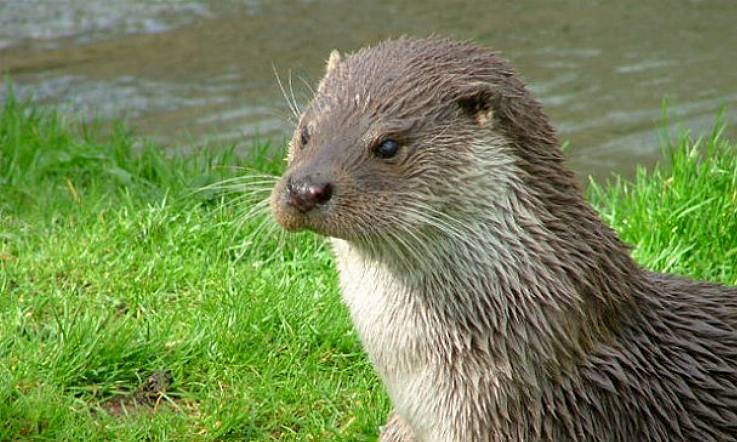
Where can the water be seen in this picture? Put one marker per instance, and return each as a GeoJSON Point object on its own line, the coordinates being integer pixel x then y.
{"type": "Point", "coordinates": [189, 72]}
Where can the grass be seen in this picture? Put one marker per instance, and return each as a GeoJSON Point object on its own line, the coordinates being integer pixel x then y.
{"type": "Point", "coordinates": [681, 218]}
{"type": "Point", "coordinates": [134, 308]}
{"type": "Point", "coordinates": [113, 271]}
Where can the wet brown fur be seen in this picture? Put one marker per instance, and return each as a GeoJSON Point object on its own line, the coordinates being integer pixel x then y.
{"type": "Point", "coordinates": [509, 293]}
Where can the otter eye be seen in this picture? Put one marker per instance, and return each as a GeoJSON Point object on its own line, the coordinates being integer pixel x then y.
{"type": "Point", "coordinates": [304, 136]}
{"type": "Point", "coordinates": [387, 149]}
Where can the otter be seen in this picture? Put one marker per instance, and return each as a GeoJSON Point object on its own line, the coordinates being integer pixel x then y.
{"type": "Point", "coordinates": [492, 300]}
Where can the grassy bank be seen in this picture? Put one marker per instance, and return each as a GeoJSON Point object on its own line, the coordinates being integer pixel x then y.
{"type": "Point", "coordinates": [681, 218]}
{"type": "Point", "coordinates": [134, 307]}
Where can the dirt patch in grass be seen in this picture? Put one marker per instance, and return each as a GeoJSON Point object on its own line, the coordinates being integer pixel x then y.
{"type": "Point", "coordinates": [150, 397]}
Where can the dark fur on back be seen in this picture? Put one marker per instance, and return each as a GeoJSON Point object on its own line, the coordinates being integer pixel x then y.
{"type": "Point", "coordinates": [474, 268]}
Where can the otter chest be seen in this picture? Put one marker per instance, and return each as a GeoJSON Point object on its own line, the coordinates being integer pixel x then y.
{"type": "Point", "coordinates": [399, 338]}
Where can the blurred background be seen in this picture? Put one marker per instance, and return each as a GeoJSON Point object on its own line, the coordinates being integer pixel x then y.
{"type": "Point", "coordinates": [188, 73]}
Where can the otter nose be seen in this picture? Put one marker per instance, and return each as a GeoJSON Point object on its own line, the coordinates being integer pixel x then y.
{"type": "Point", "coordinates": [305, 193]}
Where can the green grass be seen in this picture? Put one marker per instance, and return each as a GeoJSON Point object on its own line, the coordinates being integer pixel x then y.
{"type": "Point", "coordinates": [681, 218]}
{"type": "Point", "coordinates": [115, 271]}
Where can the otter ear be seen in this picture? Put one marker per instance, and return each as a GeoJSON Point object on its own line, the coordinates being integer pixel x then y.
{"type": "Point", "coordinates": [333, 61]}
{"type": "Point", "coordinates": [477, 101]}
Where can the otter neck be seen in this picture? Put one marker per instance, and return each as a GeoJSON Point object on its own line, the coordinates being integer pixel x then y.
{"type": "Point", "coordinates": [552, 282]}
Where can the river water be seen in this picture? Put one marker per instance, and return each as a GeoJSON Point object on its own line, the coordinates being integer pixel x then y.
{"type": "Point", "coordinates": [189, 72]}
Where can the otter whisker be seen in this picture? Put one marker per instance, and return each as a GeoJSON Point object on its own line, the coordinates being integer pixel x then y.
{"type": "Point", "coordinates": [235, 187]}
{"type": "Point", "coordinates": [249, 177]}
{"type": "Point", "coordinates": [246, 198]}
{"type": "Point", "coordinates": [291, 92]}
{"type": "Point", "coordinates": [424, 243]}
{"type": "Point", "coordinates": [241, 192]}
{"type": "Point", "coordinates": [412, 256]}
{"type": "Point", "coordinates": [238, 184]}
{"type": "Point", "coordinates": [246, 188]}
{"type": "Point", "coordinates": [258, 209]}
{"type": "Point", "coordinates": [256, 237]}
{"type": "Point", "coordinates": [426, 214]}
{"type": "Point", "coordinates": [247, 170]}
{"type": "Point", "coordinates": [438, 223]}
{"type": "Point", "coordinates": [395, 249]}
{"type": "Point", "coordinates": [285, 117]}
{"type": "Point", "coordinates": [245, 178]}
{"type": "Point", "coordinates": [307, 84]}
{"type": "Point", "coordinates": [263, 234]}
{"type": "Point", "coordinates": [246, 202]}
{"type": "Point", "coordinates": [254, 211]}
{"type": "Point", "coordinates": [281, 237]}
{"type": "Point", "coordinates": [292, 106]}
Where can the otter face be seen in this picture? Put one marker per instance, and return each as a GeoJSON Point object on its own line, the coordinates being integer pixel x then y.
{"type": "Point", "coordinates": [391, 143]}
{"type": "Point", "coordinates": [351, 182]}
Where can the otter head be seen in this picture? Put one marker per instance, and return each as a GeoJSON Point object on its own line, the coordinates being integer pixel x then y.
{"type": "Point", "coordinates": [403, 136]}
